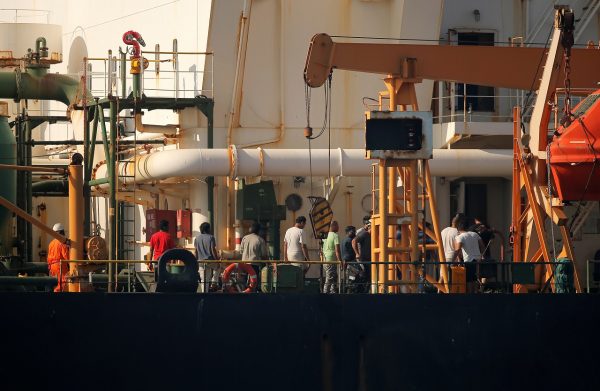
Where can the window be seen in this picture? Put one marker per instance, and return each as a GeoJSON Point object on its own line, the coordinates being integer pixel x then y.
{"type": "Point", "coordinates": [479, 98]}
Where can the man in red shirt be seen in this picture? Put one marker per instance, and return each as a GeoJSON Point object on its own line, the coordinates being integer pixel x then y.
{"type": "Point", "coordinates": [161, 241]}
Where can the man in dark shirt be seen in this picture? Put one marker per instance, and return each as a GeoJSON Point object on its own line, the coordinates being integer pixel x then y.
{"type": "Point", "coordinates": [206, 249]}
{"type": "Point", "coordinates": [348, 254]}
{"type": "Point", "coordinates": [362, 247]}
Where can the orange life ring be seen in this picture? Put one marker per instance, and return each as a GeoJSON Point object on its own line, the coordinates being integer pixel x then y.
{"type": "Point", "coordinates": [248, 269]}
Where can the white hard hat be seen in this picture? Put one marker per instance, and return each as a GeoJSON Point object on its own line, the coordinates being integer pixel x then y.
{"type": "Point", "coordinates": [58, 227]}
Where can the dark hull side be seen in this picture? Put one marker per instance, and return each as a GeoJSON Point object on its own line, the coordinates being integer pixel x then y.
{"type": "Point", "coordinates": [299, 342]}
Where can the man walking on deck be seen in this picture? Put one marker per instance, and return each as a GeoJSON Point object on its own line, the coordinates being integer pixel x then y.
{"type": "Point", "coordinates": [362, 247]}
{"type": "Point", "coordinates": [331, 253]}
{"type": "Point", "coordinates": [58, 253]}
{"type": "Point", "coordinates": [254, 248]}
{"type": "Point", "coordinates": [206, 250]}
{"type": "Point", "coordinates": [294, 245]}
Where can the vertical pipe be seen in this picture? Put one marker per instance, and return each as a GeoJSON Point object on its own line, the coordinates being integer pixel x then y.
{"type": "Point", "coordinates": [137, 85]}
{"type": "Point", "coordinates": [348, 208]}
{"type": "Point", "coordinates": [176, 66]}
{"type": "Point", "coordinates": [28, 189]}
{"type": "Point", "coordinates": [404, 242]}
{"type": "Point", "coordinates": [414, 221]}
{"type": "Point", "coordinates": [440, 102]}
{"type": "Point", "coordinates": [436, 225]}
{"type": "Point", "coordinates": [373, 232]}
{"type": "Point", "coordinates": [92, 144]}
{"type": "Point", "coordinates": [109, 75]}
{"type": "Point", "coordinates": [383, 226]}
{"type": "Point", "coordinates": [76, 207]}
{"type": "Point", "coordinates": [210, 182]}
{"type": "Point", "coordinates": [516, 188]}
{"type": "Point", "coordinates": [20, 185]}
{"type": "Point", "coordinates": [112, 188]}
{"type": "Point", "coordinates": [86, 164]}
{"type": "Point", "coordinates": [123, 73]}
{"type": "Point", "coordinates": [391, 208]}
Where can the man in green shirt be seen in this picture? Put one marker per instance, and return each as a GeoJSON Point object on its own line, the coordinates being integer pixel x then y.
{"type": "Point", "coordinates": [331, 252]}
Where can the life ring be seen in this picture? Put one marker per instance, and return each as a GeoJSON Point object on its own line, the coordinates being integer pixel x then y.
{"type": "Point", "coordinates": [248, 269]}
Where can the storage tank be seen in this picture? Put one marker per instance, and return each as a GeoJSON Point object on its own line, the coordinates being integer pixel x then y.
{"type": "Point", "coordinates": [8, 178]}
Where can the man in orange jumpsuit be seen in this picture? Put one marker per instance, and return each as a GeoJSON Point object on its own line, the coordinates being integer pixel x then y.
{"type": "Point", "coordinates": [58, 252]}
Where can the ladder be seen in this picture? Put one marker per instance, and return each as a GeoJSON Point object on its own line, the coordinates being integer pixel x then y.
{"type": "Point", "coordinates": [126, 197]}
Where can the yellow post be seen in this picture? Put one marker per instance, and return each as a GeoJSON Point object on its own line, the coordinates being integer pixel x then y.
{"type": "Point", "coordinates": [382, 242]}
{"type": "Point", "coordinates": [414, 221]}
{"type": "Point", "coordinates": [76, 207]}
{"type": "Point", "coordinates": [391, 208]}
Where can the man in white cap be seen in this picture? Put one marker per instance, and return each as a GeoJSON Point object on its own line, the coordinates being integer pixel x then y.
{"type": "Point", "coordinates": [57, 252]}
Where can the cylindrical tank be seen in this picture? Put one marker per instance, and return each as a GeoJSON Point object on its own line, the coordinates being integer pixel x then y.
{"type": "Point", "coordinates": [8, 179]}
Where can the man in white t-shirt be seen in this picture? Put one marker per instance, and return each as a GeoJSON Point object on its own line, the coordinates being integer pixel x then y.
{"type": "Point", "coordinates": [448, 236]}
{"type": "Point", "coordinates": [294, 244]}
{"type": "Point", "coordinates": [471, 246]}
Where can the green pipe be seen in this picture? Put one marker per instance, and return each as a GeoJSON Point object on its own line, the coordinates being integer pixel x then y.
{"type": "Point", "coordinates": [91, 148]}
{"type": "Point", "coordinates": [35, 83]}
{"type": "Point", "coordinates": [112, 191]}
{"type": "Point", "coordinates": [8, 189]}
{"type": "Point", "coordinates": [104, 134]}
{"type": "Point", "coordinates": [29, 195]}
{"type": "Point", "coordinates": [137, 83]}
{"type": "Point", "coordinates": [51, 186]}
{"type": "Point", "coordinates": [40, 47]}
{"type": "Point", "coordinates": [99, 181]}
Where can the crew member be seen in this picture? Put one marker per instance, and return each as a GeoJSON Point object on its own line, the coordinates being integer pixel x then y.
{"type": "Point", "coordinates": [331, 252]}
{"type": "Point", "coordinates": [294, 245]}
{"type": "Point", "coordinates": [362, 248]}
{"type": "Point", "coordinates": [161, 241]}
{"type": "Point", "coordinates": [58, 252]}
{"type": "Point", "coordinates": [206, 250]}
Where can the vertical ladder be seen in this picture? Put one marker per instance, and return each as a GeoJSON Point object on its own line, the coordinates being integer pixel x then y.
{"type": "Point", "coordinates": [126, 198]}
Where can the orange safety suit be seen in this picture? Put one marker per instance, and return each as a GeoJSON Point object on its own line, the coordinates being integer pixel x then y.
{"type": "Point", "coordinates": [57, 252]}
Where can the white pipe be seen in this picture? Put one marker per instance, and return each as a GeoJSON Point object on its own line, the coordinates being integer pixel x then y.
{"type": "Point", "coordinates": [295, 162]}
{"type": "Point", "coordinates": [146, 128]}
{"type": "Point", "coordinates": [145, 136]}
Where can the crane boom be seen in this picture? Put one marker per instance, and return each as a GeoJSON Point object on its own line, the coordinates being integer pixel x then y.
{"type": "Point", "coordinates": [509, 67]}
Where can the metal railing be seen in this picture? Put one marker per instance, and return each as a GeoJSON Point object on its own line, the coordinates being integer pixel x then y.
{"type": "Point", "coordinates": [190, 74]}
{"type": "Point", "coordinates": [351, 277]}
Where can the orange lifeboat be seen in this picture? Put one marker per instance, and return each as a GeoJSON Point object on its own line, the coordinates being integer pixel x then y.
{"type": "Point", "coordinates": [575, 154]}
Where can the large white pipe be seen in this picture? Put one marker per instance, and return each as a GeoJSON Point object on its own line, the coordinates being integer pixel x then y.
{"type": "Point", "coordinates": [296, 162]}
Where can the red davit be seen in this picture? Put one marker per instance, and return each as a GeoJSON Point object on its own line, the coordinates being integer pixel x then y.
{"type": "Point", "coordinates": [574, 154]}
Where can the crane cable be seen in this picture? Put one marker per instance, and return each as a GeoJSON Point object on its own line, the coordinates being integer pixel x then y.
{"type": "Point", "coordinates": [308, 131]}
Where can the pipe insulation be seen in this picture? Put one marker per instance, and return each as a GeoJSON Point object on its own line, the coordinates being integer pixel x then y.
{"type": "Point", "coordinates": [295, 162]}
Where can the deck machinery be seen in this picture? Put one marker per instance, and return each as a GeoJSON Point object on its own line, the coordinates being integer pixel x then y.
{"type": "Point", "coordinates": [536, 197]}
